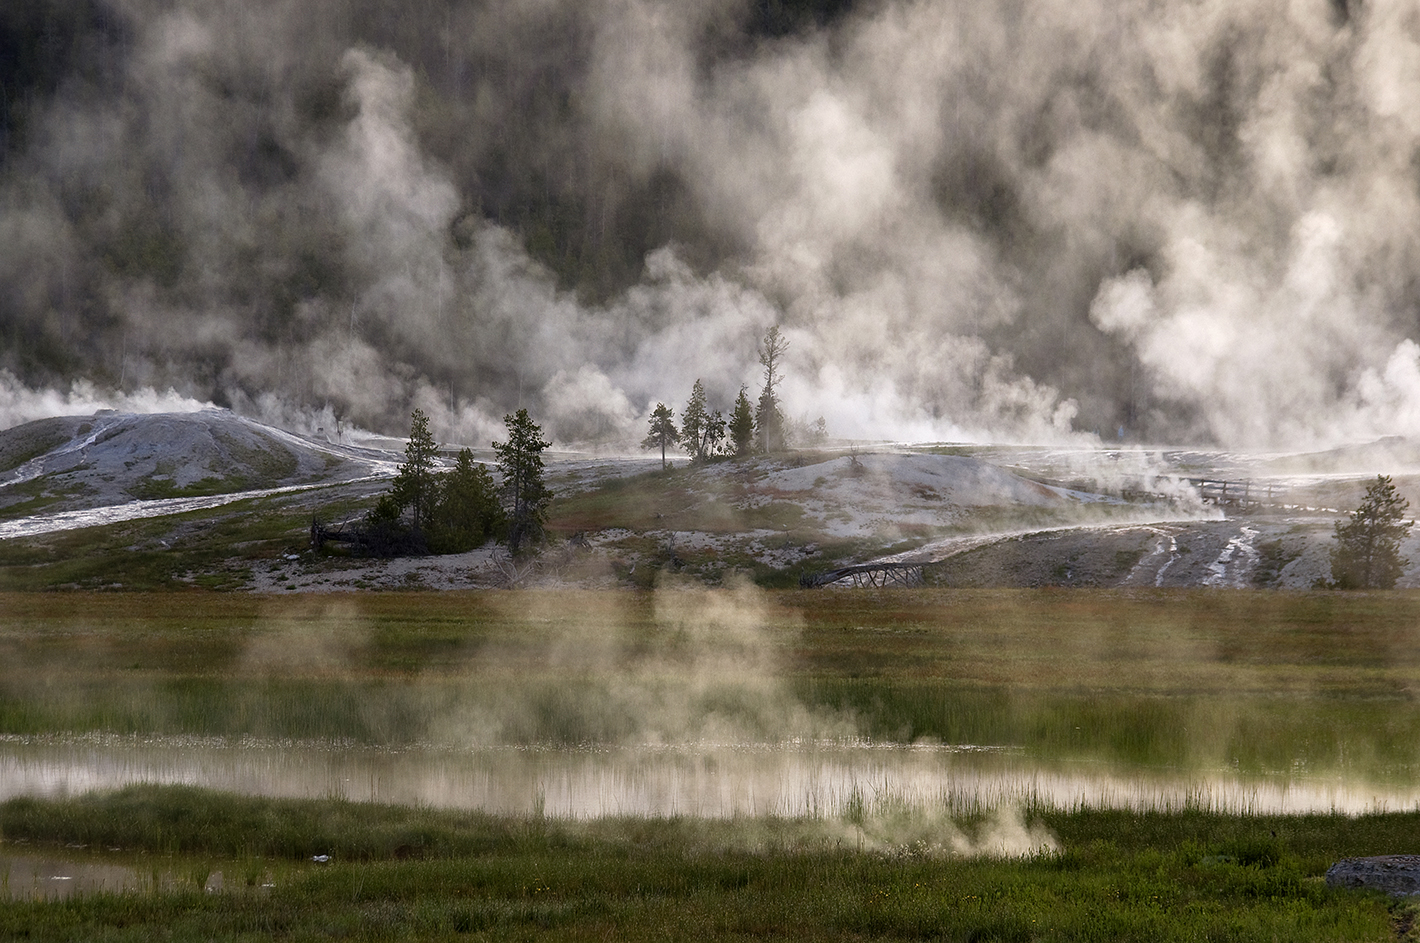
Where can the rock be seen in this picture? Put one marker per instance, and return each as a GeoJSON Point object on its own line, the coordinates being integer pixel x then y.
{"type": "Point", "coordinates": [1397, 875]}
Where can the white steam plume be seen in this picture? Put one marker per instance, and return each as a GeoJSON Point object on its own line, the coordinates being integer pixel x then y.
{"type": "Point", "coordinates": [1182, 220]}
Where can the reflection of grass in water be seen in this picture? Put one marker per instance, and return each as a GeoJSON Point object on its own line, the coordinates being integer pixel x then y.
{"type": "Point", "coordinates": [402, 873]}
{"type": "Point", "coordinates": [1150, 678]}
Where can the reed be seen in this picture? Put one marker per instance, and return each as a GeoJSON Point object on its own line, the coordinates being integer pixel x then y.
{"type": "Point", "coordinates": [402, 873]}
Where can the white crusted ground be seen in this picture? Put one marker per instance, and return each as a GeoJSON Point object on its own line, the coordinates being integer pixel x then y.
{"type": "Point", "coordinates": [91, 468]}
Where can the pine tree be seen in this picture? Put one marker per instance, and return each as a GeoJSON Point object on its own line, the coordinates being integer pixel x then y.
{"type": "Point", "coordinates": [414, 486]}
{"type": "Point", "coordinates": [693, 423]}
{"type": "Point", "coordinates": [768, 422]}
{"type": "Point", "coordinates": [663, 431]}
{"type": "Point", "coordinates": [742, 425]}
{"type": "Point", "coordinates": [467, 512]}
{"type": "Point", "coordinates": [768, 417]}
{"type": "Point", "coordinates": [525, 495]}
{"type": "Point", "coordinates": [713, 435]}
{"type": "Point", "coordinates": [1367, 552]}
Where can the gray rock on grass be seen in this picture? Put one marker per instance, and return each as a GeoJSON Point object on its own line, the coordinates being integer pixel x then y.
{"type": "Point", "coordinates": [1396, 875]}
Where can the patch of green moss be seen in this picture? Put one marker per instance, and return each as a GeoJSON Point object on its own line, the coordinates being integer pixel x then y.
{"type": "Point", "coordinates": [153, 489]}
{"type": "Point", "coordinates": [38, 494]}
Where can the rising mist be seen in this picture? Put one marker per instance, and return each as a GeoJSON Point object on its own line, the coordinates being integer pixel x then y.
{"type": "Point", "coordinates": [1023, 220]}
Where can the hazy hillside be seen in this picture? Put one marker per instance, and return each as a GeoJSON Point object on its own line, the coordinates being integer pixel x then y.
{"type": "Point", "coordinates": [210, 498]}
{"type": "Point", "coordinates": [71, 463]}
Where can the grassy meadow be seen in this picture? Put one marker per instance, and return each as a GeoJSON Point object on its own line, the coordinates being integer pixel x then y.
{"type": "Point", "coordinates": [1314, 684]}
{"type": "Point", "coordinates": [1242, 680]}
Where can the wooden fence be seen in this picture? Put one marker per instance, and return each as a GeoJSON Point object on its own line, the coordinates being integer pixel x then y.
{"type": "Point", "coordinates": [1240, 494]}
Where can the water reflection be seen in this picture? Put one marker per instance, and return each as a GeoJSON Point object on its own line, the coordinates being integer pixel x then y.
{"type": "Point", "coordinates": [32, 876]}
{"type": "Point", "coordinates": [701, 780]}
{"type": "Point", "coordinates": [50, 876]}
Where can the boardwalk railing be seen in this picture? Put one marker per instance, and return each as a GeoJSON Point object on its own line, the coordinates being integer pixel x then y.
{"type": "Point", "coordinates": [1244, 493]}
{"type": "Point", "coordinates": [877, 575]}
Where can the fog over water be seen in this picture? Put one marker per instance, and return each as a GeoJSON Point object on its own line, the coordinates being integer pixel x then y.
{"type": "Point", "coordinates": [1170, 221]}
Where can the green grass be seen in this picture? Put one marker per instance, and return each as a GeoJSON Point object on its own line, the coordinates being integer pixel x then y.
{"type": "Point", "coordinates": [160, 553]}
{"type": "Point", "coordinates": [1145, 680]}
{"type": "Point", "coordinates": [1256, 682]}
{"type": "Point", "coordinates": [422, 874]}
{"type": "Point", "coordinates": [38, 494]}
{"type": "Point", "coordinates": [151, 489]}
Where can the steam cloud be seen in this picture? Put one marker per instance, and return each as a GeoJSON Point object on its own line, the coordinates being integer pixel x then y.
{"type": "Point", "coordinates": [1024, 220]}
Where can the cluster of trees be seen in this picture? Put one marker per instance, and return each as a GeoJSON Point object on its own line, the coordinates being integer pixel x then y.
{"type": "Point", "coordinates": [463, 508]}
{"type": "Point", "coordinates": [1367, 551]}
{"type": "Point", "coordinates": [750, 429]}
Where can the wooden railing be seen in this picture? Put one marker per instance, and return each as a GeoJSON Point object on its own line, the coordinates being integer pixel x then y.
{"type": "Point", "coordinates": [877, 575]}
{"type": "Point", "coordinates": [1244, 493]}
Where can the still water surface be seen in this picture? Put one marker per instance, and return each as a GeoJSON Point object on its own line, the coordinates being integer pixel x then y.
{"type": "Point", "coordinates": [52, 875]}
{"type": "Point", "coordinates": [711, 780]}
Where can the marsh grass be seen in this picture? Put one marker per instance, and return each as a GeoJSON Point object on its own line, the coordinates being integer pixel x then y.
{"type": "Point", "coordinates": [406, 873]}
{"type": "Point", "coordinates": [1241, 680]}
{"type": "Point", "coordinates": [1379, 740]}
{"type": "Point", "coordinates": [1255, 682]}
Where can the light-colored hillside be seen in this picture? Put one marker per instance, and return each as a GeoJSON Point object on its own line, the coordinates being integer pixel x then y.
{"type": "Point", "coordinates": [159, 491]}
{"type": "Point", "coordinates": [76, 463]}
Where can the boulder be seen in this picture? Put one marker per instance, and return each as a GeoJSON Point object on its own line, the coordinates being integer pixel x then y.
{"type": "Point", "coordinates": [1396, 875]}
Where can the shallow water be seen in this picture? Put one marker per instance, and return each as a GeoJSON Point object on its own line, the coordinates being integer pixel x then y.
{"type": "Point", "coordinates": [49, 874]}
{"type": "Point", "coordinates": [40, 873]}
{"type": "Point", "coordinates": [710, 780]}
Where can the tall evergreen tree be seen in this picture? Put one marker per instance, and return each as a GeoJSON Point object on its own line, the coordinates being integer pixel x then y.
{"type": "Point", "coordinates": [663, 431]}
{"type": "Point", "coordinates": [525, 495]}
{"type": "Point", "coordinates": [742, 425]}
{"type": "Point", "coordinates": [415, 487]}
{"type": "Point", "coordinates": [1367, 551]}
{"type": "Point", "coordinates": [768, 417]}
{"type": "Point", "coordinates": [693, 422]}
{"type": "Point", "coordinates": [768, 422]}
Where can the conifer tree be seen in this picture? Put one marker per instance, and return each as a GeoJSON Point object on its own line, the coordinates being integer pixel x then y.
{"type": "Point", "coordinates": [693, 422]}
{"type": "Point", "coordinates": [1367, 551]}
{"type": "Point", "coordinates": [525, 495]}
{"type": "Point", "coordinates": [742, 425]}
{"type": "Point", "coordinates": [768, 417]}
{"type": "Point", "coordinates": [414, 486]}
{"type": "Point", "coordinates": [713, 434]}
{"type": "Point", "coordinates": [467, 512]}
{"type": "Point", "coordinates": [663, 431]}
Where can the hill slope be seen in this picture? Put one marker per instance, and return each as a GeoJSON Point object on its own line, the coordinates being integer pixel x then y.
{"type": "Point", "coordinates": [215, 499]}
{"type": "Point", "coordinates": [72, 463]}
